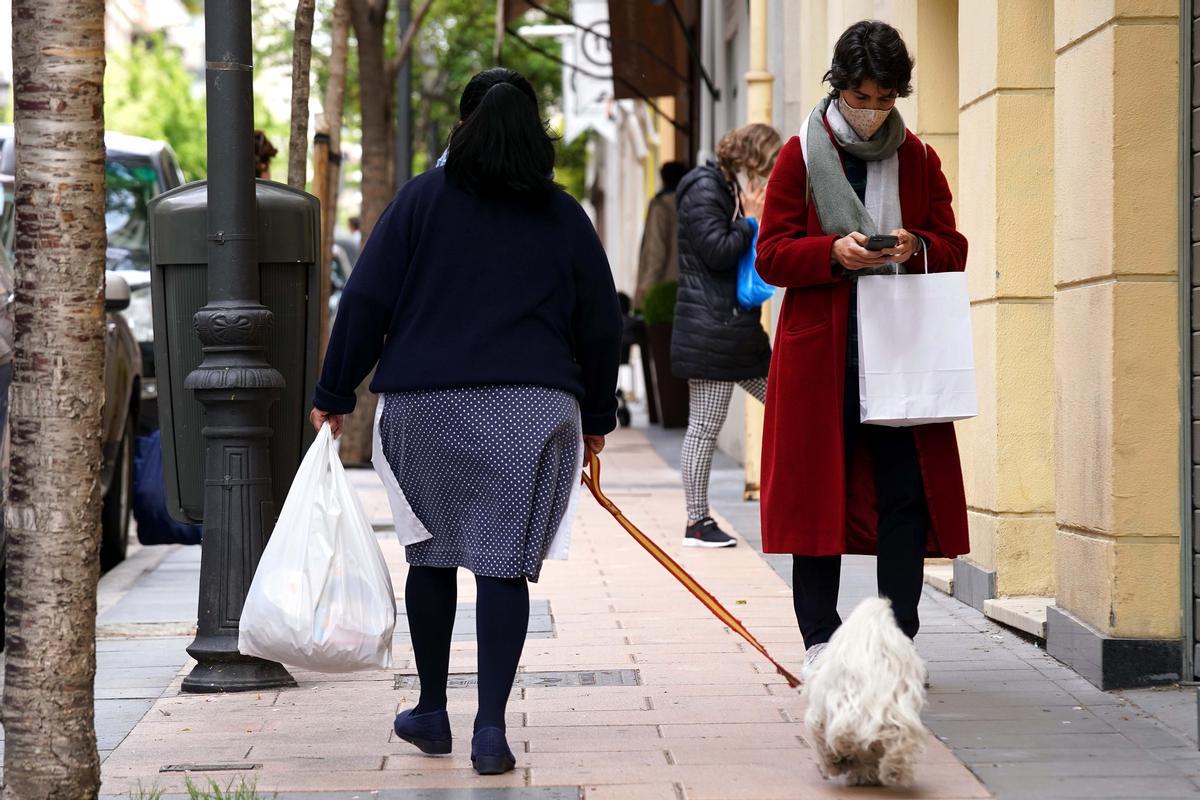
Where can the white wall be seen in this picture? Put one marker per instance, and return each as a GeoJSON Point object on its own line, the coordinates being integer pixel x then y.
{"type": "Point", "coordinates": [726, 54]}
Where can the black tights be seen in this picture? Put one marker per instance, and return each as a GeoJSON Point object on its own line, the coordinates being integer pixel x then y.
{"type": "Point", "coordinates": [501, 619]}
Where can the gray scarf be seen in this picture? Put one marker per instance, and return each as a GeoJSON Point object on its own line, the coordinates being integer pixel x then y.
{"type": "Point", "coordinates": [838, 207]}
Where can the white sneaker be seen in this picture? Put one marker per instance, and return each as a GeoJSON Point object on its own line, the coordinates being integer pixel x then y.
{"type": "Point", "coordinates": [810, 659]}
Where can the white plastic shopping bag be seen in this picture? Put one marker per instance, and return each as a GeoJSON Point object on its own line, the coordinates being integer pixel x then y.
{"type": "Point", "coordinates": [915, 361]}
{"type": "Point", "coordinates": [322, 596]}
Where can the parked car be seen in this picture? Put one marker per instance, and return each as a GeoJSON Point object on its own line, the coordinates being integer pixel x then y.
{"type": "Point", "coordinates": [339, 272]}
{"type": "Point", "coordinates": [136, 170]}
{"type": "Point", "coordinates": [123, 387]}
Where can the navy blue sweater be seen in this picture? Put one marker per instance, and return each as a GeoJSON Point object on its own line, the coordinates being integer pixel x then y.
{"type": "Point", "coordinates": [453, 289]}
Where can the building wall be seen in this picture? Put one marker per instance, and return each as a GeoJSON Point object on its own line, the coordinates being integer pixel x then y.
{"type": "Point", "coordinates": [1006, 209]}
{"type": "Point", "coordinates": [1116, 344]}
{"type": "Point", "coordinates": [726, 34]}
{"type": "Point", "coordinates": [1062, 153]}
{"type": "Point", "coordinates": [623, 160]}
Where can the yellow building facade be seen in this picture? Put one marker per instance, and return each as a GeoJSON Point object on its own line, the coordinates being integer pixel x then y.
{"type": "Point", "coordinates": [1059, 124]}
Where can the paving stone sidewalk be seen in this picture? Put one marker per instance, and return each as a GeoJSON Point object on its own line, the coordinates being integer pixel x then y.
{"type": "Point", "coordinates": [629, 689]}
{"type": "Point", "coordinates": [1029, 727]}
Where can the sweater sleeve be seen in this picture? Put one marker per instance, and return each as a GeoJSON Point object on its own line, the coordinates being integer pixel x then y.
{"type": "Point", "coordinates": [705, 220]}
{"type": "Point", "coordinates": [787, 255]}
{"type": "Point", "coordinates": [946, 248]}
{"type": "Point", "coordinates": [596, 325]}
{"type": "Point", "coordinates": [365, 309]}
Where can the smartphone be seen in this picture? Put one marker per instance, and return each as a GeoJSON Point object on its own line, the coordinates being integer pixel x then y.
{"type": "Point", "coordinates": [882, 242]}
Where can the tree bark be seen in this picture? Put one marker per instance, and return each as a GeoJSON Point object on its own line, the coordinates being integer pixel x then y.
{"type": "Point", "coordinates": [376, 89]}
{"type": "Point", "coordinates": [320, 190]}
{"type": "Point", "coordinates": [335, 91]}
{"type": "Point", "coordinates": [406, 43]}
{"type": "Point", "coordinates": [333, 110]}
{"type": "Point", "coordinates": [369, 18]}
{"type": "Point", "coordinates": [301, 64]}
{"type": "Point", "coordinates": [53, 508]}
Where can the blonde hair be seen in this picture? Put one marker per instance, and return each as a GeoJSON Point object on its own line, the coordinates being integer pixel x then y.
{"type": "Point", "coordinates": [751, 148]}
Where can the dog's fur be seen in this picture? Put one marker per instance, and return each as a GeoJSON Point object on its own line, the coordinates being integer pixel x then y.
{"type": "Point", "coordinates": [865, 694]}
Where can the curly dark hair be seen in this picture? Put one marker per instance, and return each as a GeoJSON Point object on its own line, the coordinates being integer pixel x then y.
{"type": "Point", "coordinates": [871, 50]}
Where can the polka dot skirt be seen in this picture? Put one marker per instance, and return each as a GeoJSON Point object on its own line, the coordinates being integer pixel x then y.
{"type": "Point", "coordinates": [488, 471]}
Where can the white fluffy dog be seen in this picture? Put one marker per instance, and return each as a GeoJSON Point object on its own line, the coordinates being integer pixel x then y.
{"type": "Point", "coordinates": [865, 693]}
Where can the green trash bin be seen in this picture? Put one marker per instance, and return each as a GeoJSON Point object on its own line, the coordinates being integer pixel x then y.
{"type": "Point", "coordinates": [288, 245]}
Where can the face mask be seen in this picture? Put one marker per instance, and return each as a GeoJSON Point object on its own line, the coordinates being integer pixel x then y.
{"type": "Point", "coordinates": [865, 121]}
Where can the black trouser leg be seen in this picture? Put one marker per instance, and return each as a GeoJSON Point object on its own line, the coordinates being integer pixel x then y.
{"type": "Point", "coordinates": [903, 525]}
{"type": "Point", "coordinates": [502, 620]}
{"type": "Point", "coordinates": [815, 581]}
{"type": "Point", "coordinates": [903, 522]}
{"type": "Point", "coordinates": [430, 599]}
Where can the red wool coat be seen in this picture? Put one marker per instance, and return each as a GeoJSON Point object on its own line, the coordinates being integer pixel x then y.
{"type": "Point", "coordinates": [808, 506]}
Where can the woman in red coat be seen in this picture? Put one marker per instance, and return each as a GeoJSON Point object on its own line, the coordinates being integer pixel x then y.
{"type": "Point", "coordinates": [831, 485]}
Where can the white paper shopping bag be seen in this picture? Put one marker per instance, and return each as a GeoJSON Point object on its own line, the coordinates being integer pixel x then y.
{"type": "Point", "coordinates": [915, 361]}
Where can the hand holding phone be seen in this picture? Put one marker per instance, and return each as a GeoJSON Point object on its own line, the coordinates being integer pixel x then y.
{"type": "Point", "coordinates": [851, 253]}
{"type": "Point", "coordinates": [880, 241]}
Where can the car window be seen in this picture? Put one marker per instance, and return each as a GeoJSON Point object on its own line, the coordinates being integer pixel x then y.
{"type": "Point", "coordinates": [172, 172]}
{"type": "Point", "coordinates": [8, 224]}
{"type": "Point", "coordinates": [130, 184]}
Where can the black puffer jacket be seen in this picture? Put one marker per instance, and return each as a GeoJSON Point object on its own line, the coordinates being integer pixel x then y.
{"type": "Point", "coordinates": [713, 337]}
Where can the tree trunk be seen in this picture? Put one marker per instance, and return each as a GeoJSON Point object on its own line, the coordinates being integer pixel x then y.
{"type": "Point", "coordinates": [53, 508]}
{"type": "Point", "coordinates": [406, 42]}
{"type": "Point", "coordinates": [332, 112]}
{"type": "Point", "coordinates": [369, 18]}
{"type": "Point", "coordinates": [301, 62]}
{"type": "Point", "coordinates": [376, 75]}
{"type": "Point", "coordinates": [320, 190]}
{"type": "Point", "coordinates": [335, 91]}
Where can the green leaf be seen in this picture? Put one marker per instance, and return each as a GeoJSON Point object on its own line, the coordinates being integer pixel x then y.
{"type": "Point", "coordinates": [659, 305]}
{"type": "Point", "coordinates": [148, 92]}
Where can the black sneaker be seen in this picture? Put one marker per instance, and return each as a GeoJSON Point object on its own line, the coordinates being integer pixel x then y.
{"type": "Point", "coordinates": [706, 533]}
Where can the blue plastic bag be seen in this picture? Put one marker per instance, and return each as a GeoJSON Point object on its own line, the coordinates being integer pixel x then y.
{"type": "Point", "coordinates": [154, 523]}
{"type": "Point", "coordinates": [752, 290]}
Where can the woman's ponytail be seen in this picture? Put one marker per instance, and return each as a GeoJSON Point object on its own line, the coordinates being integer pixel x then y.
{"type": "Point", "coordinates": [501, 145]}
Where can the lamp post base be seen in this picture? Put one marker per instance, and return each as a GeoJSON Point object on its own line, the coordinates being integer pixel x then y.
{"type": "Point", "coordinates": [221, 669]}
{"type": "Point", "coordinates": [247, 675]}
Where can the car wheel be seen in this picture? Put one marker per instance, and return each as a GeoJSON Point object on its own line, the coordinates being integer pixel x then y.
{"type": "Point", "coordinates": [117, 503]}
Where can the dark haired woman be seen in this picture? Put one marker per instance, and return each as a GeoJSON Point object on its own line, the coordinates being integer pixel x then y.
{"type": "Point", "coordinates": [830, 484]}
{"type": "Point", "coordinates": [715, 344]}
{"type": "Point", "coordinates": [485, 302]}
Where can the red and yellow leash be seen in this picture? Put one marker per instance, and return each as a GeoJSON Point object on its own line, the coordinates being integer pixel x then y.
{"type": "Point", "coordinates": [591, 479]}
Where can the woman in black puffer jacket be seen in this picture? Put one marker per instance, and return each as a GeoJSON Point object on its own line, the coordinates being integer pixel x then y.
{"type": "Point", "coordinates": [715, 343]}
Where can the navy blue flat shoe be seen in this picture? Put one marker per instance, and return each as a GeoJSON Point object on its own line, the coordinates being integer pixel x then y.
{"type": "Point", "coordinates": [490, 754]}
{"type": "Point", "coordinates": [430, 732]}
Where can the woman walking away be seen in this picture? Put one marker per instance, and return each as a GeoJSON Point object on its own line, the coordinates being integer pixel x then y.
{"type": "Point", "coordinates": [715, 343]}
{"type": "Point", "coordinates": [485, 303]}
{"type": "Point", "coordinates": [830, 484]}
